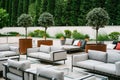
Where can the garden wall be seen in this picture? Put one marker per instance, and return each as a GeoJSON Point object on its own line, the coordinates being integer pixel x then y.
{"type": "Point", "coordinates": [53, 30]}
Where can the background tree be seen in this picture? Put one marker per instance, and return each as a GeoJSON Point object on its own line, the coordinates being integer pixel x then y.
{"type": "Point", "coordinates": [3, 18]}
{"type": "Point", "coordinates": [24, 20]}
{"type": "Point", "coordinates": [46, 20]}
{"type": "Point", "coordinates": [97, 18]}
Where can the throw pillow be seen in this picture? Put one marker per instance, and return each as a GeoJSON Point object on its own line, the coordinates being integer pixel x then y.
{"type": "Point", "coordinates": [79, 43]}
{"type": "Point", "coordinates": [68, 41]}
{"type": "Point", "coordinates": [118, 46]}
{"type": "Point", "coordinates": [75, 43]}
{"type": "Point", "coordinates": [44, 48]}
{"type": "Point", "coordinates": [111, 46]}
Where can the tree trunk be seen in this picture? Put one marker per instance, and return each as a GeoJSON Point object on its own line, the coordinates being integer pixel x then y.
{"type": "Point", "coordinates": [26, 32]}
{"type": "Point", "coordinates": [96, 36]}
{"type": "Point", "coordinates": [45, 32]}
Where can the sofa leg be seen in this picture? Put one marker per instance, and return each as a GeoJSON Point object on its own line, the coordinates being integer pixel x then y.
{"type": "Point", "coordinates": [64, 61]}
{"type": "Point", "coordinates": [72, 68]}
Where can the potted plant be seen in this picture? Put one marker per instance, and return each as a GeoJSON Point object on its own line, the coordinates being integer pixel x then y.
{"type": "Point", "coordinates": [25, 21]}
{"type": "Point", "coordinates": [97, 18]}
{"type": "Point", "coordinates": [87, 37]}
{"type": "Point", "coordinates": [45, 20]}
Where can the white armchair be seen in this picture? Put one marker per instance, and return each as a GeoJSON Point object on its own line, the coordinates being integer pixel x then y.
{"type": "Point", "coordinates": [15, 70]}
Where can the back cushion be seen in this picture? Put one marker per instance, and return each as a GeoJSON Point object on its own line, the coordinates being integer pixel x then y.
{"type": "Point", "coordinates": [44, 48]}
{"type": "Point", "coordinates": [4, 47]}
{"type": "Point", "coordinates": [113, 57]}
{"type": "Point", "coordinates": [68, 41]}
{"type": "Point", "coordinates": [51, 73]}
{"type": "Point", "coordinates": [75, 43]}
{"type": "Point", "coordinates": [54, 48]}
{"type": "Point", "coordinates": [97, 55]}
{"type": "Point", "coordinates": [118, 46]}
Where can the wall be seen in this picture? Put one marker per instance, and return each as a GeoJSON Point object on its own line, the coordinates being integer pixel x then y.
{"type": "Point", "coordinates": [53, 30]}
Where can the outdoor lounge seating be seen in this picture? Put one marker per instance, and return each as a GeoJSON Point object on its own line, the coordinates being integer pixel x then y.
{"type": "Point", "coordinates": [74, 45]}
{"type": "Point", "coordinates": [15, 70]}
{"type": "Point", "coordinates": [47, 53]}
{"type": "Point", "coordinates": [98, 61]}
{"type": "Point", "coordinates": [7, 51]}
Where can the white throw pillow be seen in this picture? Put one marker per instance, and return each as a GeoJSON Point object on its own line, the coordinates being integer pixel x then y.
{"type": "Point", "coordinates": [68, 41]}
{"type": "Point", "coordinates": [75, 43]}
{"type": "Point", "coordinates": [111, 46]}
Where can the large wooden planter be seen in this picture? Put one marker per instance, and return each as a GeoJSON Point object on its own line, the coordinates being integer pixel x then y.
{"type": "Point", "coordinates": [24, 44]}
{"type": "Point", "coordinates": [44, 42]}
{"type": "Point", "coordinates": [99, 47]}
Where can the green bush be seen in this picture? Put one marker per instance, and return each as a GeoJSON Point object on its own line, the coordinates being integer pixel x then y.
{"type": "Point", "coordinates": [103, 37]}
{"type": "Point", "coordinates": [12, 33]}
{"type": "Point", "coordinates": [77, 35]}
{"type": "Point", "coordinates": [67, 33]}
{"type": "Point", "coordinates": [38, 33]}
{"type": "Point", "coordinates": [59, 35]}
{"type": "Point", "coordinates": [114, 35]}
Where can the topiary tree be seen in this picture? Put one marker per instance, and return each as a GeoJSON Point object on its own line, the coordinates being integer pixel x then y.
{"type": "Point", "coordinates": [3, 18]}
{"type": "Point", "coordinates": [46, 20]}
{"type": "Point", "coordinates": [24, 20]}
{"type": "Point", "coordinates": [97, 18]}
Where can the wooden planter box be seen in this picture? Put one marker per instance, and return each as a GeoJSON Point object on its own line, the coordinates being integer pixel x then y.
{"type": "Point", "coordinates": [44, 42]}
{"type": "Point", "coordinates": [24, 44]}
{"type": "Point", "coordinates": [99, 47]}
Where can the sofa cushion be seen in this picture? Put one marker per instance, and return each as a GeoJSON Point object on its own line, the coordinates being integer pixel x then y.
{"type": "Point", "coordinates": [44, 48]}
{"type": "Point", "coordinates": [2, 55]}
{"type": "Point", "coordinates": [97, 55]}
{"type": "Point", "coordinates": [54, 48]}
{"type": "Point", "coordinates": [75, 43]}
{"type": "Point", "coordinates": [89, 64]}
{"type": "Point", "coordinates": [9, 53]}
{"type": "Point", "coordinates": [111, 46]}
{"type": "Point", "coordinates": [106, 67]}
{"type": "Point", "coordinates": [113, 57]}
{"type": "Point", "coordinates": [118, 46]}
{"type": "Point", "coordinates": [51, 73]}
{"type": "Point", "coordinates": [19, 64]}
{"type": "Point", "coordinates": [4, 47]}
{"type": "Point", "coordinates": [44, 56]}
{"type": "Point", "coordinates": [68, 41]}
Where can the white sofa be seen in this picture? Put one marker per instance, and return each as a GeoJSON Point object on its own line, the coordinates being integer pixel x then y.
{"type": "Point", "coordinates": [47, 53]}
{"type": "Point", "coordinates": [108, 63]}
{"type": "Point", "coordinates": [7, 51]}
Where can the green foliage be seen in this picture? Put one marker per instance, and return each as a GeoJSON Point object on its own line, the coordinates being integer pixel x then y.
{"type": "Point", "coordinates": [38, 33]}
{"type": "Point", "coordinates": [67, 33]}
{"type": "Point", "coordinates": [24, 20]}
{"type": "Point", "coordinates": [3, 18]}
{"type": "Point", "coordinates": [87, 36]}
{"type": "Point", "coordinates": [103, 37]}
{"type": "Point", "coordinates": [77, 35]}
{"type": "Point", "coordinates": [97, 18]}
{"type": "Point", "coordinates": [114, 35]}
{"type": "Point", "coordinates": [13, 33]}
{"type": "Point", "coordinates": [59, 35]}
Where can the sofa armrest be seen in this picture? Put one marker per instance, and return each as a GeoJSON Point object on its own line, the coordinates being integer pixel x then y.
{"type": "Point", "coordinates": [30, 50]}
{"type": "Point", "coordinates": [77, 58]}
{"type": "Point", "coordinates": [15, 49]}
{"type": "Point", "coordinates": [58, 55]}
{"type": "Point", "coordinates": [117, 65]}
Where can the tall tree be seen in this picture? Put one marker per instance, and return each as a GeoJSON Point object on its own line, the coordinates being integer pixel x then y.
{"type": "Point", "coordinates": [44, 6]}
{"type": "Point", "coordinates": [14, 12]}
{"type": "Point", "coordinates": [25, 6]}
{"type": "Point", "coordinates": [10, 12]}
{"type": "Point", "coordinates": [37, 11]}
{"type": "Point", "coordinates": [20, 7]}
{"type": "Point", "coordinates": [51, 6]}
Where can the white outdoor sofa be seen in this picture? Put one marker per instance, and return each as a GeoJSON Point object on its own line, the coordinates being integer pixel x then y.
{"type": "Point", "coordinates": [98, 61]}
{"type": "Point", "coordinates": [47, 53]}
{"type": "Point", "coordinates": [6, 52]}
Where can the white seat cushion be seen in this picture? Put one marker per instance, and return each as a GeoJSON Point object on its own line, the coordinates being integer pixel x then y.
{"type": "Point", "coordinates": [8, 53]}
{"type": "Point", "coordinates": [44, 56]}
{"type": "Point", "coordinates": [89, 64]}
{"type": "Point", "coordinates": [34, 54]}
{"type": "Point", "coordinates": [106, 67]}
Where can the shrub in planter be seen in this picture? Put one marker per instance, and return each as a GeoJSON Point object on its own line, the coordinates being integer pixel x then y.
{"type": "Point", "coordinates": [67, 33]}
{"type": "Point", "coordinates": [114, 35]}
{"type": "Point", "coordinates": [103, 37]}
{"type": "Point", "coordinates": [13, 33]}
{"type": "Point", "coordinates": [77, 35]}
{"type": "Point", "coordinates": [59, 35]}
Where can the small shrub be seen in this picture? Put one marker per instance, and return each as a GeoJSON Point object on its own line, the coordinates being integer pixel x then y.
{"type": "Point", "coordinates": [59, 35]}
{"type": "Point", "coordinates": [13, 33]}
{"type": "Point", "coordinates": [67, 33]}
{"type": "Point", "coordinates": [87, 36]}
{"type": "Point", "coordinates": [114, 35]}
{"type": "Point", "coordinates": [103, 37]}
{"type": "Point", "coordinates": [77, 35]}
